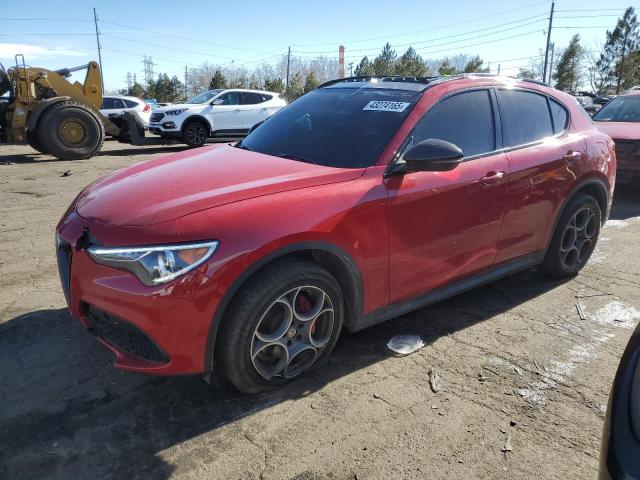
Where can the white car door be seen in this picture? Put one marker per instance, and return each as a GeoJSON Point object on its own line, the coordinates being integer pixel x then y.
{"type": "Point", "coordinates": [225, 112]}
{"type": "Point", "coordinates": [255, 108]}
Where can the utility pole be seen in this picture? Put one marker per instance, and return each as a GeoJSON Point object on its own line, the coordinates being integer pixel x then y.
{"type": "Point", "coordinates": [129, 84]}
{"type": "Point", "coordinates": [286, 85]}
{"type": "Point", "coordinates": [546, 52]}
{"type": "Point", "coordinates": [351, 69]}
{"type": "Point", "coordinates": [553, 50]}
{"type": "Point", "coordinates": [185, 83]}
{"type": "Point", "coordinates": [498, 69]}
{"type": "Point", "coordinates": [95, 22]}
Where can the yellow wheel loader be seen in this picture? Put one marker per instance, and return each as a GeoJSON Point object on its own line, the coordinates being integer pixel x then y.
{"type": "Point", "coordinates": [41, 108]}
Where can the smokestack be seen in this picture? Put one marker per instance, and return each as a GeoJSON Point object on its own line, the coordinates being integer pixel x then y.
{"type": "Point", "coordinates": [341, 62]}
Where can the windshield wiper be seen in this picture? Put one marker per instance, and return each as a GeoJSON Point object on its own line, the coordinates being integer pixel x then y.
{"type": "Point", "coordinates": [243, 147]}
{"type": "Point", "coordinates": [291, 156]}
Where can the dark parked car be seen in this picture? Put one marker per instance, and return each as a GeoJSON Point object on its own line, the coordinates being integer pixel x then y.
{"type": "Point", "coordinates": [620, 456]}
{"type": "Point", "coordinates": [362, 200]}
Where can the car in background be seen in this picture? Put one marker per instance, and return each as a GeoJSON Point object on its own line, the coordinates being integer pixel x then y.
{"type": "Point", "coordinates": [114, 105]}
{"type": "Point", "coordinates": [229, 113]}
{"type": "Point", "coordinates": [587, 103]}
{"type": "Point", "coordinates": [152, 102]}
{"type": "Point", "coordinates": [620, 451]}
{"type": "Point", "coordinates": [620, 119]}
{"type": "Point", "coordinates": [364, 199]}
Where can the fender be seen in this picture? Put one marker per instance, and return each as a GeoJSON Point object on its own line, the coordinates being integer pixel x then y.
{"type": "Point", "coordinates": [600, 184]}
{"type": "Point", "coordinates": [347, 261]}
{"type": "Point", "coordinates": [196, 116]}
{"type": "Point", "coordinates": [32, 120]}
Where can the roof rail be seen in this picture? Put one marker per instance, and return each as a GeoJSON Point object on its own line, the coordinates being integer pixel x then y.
{"type": "Point", "coordinates": [382, 78]}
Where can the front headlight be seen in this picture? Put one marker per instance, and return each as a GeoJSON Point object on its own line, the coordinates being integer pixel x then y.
{"type": "Point", "coordinates": [176, 112]}
{"type": "Point", "coordinates": [157, 264]}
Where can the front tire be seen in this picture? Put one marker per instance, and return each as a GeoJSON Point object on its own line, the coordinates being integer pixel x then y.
{"type": "Point", "coordinates": [285, 322]}
{"type": "Point", "coordinates": [574, 238]}
{"type": "Point", "coordinates": [69, 130]}
{"type": "Point", "coordinates": [195, 134]}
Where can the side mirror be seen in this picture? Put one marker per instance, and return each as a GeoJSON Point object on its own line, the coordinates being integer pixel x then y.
{"type": "Point", "coordinates": [431, 155]}
{"type": "Point", "coordinates": [217, 101]}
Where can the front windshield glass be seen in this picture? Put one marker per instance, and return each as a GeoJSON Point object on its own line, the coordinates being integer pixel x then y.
{"type": "Point", "coordinates": [335, 127]}
{"type": "Point", "coordinates": [620, 109]}
{"type": "Point", "coordinates": [204, 96]}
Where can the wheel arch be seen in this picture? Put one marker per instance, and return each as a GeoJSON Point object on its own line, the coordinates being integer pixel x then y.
{"type": "Point", "coordinates": [197, 118]}
{"type": "Point", "coordinates": [36, 113]}
{"type": "Point", "coordinates": [331, 257]}
{"type": "Point", "coordinates": [597, 188]}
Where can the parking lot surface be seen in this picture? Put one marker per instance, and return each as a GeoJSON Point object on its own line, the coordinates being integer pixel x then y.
{"type": "Point", "coordinates": [524, 381]}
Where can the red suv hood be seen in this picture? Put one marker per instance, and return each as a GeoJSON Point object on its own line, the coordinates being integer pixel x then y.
{"type": "Point", "coordinates": [175, 185]}
{"type": "Point", "coordinates": [620, 130]}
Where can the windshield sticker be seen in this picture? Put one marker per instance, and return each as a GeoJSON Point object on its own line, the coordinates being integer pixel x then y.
{"type": "Point", "coordinates": [386, 106]}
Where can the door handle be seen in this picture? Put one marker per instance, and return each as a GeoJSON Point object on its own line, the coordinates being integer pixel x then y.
{"type": "Point", "coordinates": [572, 156]}
{"type": "Point", "coordinates": [492, 177]}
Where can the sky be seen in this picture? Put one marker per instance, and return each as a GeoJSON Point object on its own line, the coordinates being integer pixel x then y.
{"type": "Point", "coordinates": [245, 33]}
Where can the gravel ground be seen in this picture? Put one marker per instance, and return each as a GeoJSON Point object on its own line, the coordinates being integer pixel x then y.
{"type": "Point", "coordinates": [518, 368]}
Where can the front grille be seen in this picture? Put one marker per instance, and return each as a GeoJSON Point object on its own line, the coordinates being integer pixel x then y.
{"type": "Point", "coordinates": [156, 117]}
{"type": "Point", "coordinates": [63, 252]}
{"type": "Point", "coordinates": [124, 336]}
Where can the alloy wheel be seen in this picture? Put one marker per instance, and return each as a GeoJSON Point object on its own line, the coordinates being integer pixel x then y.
{"type": "Point", "coordinates": [578, 238]}
{"type": "Point", "coordinates": [196, 134]}
{"type": "Point", "coordinates": [292, 332]}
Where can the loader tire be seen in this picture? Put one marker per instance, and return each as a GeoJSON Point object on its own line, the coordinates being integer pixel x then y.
{"type": "Point", "coordinates": [34, 142]}
{"type": "Point", "coordinates": [70, 131]}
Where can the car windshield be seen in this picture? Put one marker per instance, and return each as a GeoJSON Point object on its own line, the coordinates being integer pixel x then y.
{"type": "Point", "coordinates": [204, 96]}
{"type": "Point", "coordinates": [335, 127]}
{"type": "Point", "coordinates": [620, 109]}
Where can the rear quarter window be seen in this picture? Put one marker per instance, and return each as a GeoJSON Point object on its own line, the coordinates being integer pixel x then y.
{"type": "Point", "coordinates": [559, 116]}
{"type": "Point", "coordinates": [130, 103]}
{"type": "Point", "coordinates": [525, 117]}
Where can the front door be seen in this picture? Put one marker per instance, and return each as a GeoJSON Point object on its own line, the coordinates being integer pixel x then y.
{"type": "Point", "coordinates": [445, 225]}
{"type": "Point", "coordinates": [225, 112]}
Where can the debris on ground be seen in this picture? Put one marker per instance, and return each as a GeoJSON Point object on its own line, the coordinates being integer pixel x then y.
{"type": "Point", "coordinates": [482, 377]}
{"type": "Point", "coordinates": [66, 173]}
{"type": "Point", "coordinates": [580, 310]}
{"type": "Point", "coordinates": [507, 445]}
{"type": "Point", "coordinates": [434, 381]}
{"type": "Point", "coordinates": [405, 344]}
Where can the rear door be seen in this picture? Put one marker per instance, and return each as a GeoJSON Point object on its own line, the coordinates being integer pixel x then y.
{"type": "Point", "coordinates": [225, 112]}
{"type": "Point", "coordinates": [254, 109]}
{"type": "Point", "coordinates": [544, 157]}
{"type": "Point", "coordinates": [445, 225]}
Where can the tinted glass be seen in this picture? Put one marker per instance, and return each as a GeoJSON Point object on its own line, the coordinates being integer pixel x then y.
{"type": "Point", "coordinates": [130, 103]}
{"type": "Point", "coordinates": [251, 98]}
{"type": "Point", "coordinates": [110, 103]}
{"type": "Point", "coordinates": [229, 98]}
{"type": "Point", "coordinates": [620, 109]}
{"type": "Point", "coordinates": [465, 119]}
{"type": "Point", "coordinates": [204, 97]}
{"type": "Point", "coordinates": [525, 117]}
{"type": "Point", "coordinates": [337, 127]}
{"type": "Point", "coordinates": [266, 98]}
{"type": "Point", "coordinates": [559, 115]}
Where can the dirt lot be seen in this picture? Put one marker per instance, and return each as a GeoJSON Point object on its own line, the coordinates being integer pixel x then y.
{"type": "Point", "coordinates": [515, 361]}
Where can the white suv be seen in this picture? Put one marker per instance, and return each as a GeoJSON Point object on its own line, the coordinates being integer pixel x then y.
{"type": "Point", "coordinates": [115, 105]}
{"type": "Point", "coordinates": [215, 113]}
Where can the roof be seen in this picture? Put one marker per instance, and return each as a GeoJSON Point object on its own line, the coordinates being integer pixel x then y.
{"type": "Point", "coordinates": [417, 84]}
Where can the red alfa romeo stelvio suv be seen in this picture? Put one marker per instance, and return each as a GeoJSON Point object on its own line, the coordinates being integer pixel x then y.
{"type": "Point", "coordinates": [364, 199]}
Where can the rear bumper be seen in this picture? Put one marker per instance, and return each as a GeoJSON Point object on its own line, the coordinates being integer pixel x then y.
{"type": "Point", "coordinates": [158, 330]}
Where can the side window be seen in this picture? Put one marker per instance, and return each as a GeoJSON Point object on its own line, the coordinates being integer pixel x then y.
{"type": "Point", "coordinates": [464, 119]}
{"type": "Point", "coordinates": [525, 117]}
{"type": "Point", "coordinates": [251, 98]}
{"type": "Point", "coordinates": [229, 98]}
{"type": "Point", "coordinates": [559, 115]}
{"type": "Point", "coordinates": [130, 103]}
{"type": "Point", "coordinates": [266, 98]}
{"type": "Point", "coordinates": [108, 103]}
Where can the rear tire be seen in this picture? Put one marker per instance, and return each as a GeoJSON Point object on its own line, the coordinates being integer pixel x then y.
{"type": "Point", "coordinates": [195, 133]}
{"type": "Point", "coordinates": [574, 238]}
{"type": "Point", "coordinates": [69, 130]}
{"type": "Point", "coordinates": [283, 323]}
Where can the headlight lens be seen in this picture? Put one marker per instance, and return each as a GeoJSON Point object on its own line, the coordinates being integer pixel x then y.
{"type": "Point", "coordinates": [158, 264]}
{"type": "Point", "coordinates": [176, 112]}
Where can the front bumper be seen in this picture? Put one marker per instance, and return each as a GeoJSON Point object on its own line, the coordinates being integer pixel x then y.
{"type": "Point", "coordinates": [160, 330]}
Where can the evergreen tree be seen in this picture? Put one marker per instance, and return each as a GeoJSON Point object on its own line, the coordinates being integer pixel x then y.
{"type": "Point", "coordinates": [474, 65]}
{"type": "Point", "coordinates": [567, 75]}
{"type": "Point", "coordinates": [310, 83]}
{"type": "Point", "coordinates": [364, 68]}
{"type": "Point", "coordinates": [446, 68]}
{"type": "Point", "coordinates": [410, 64]}
{"type": "Point", "coordinates": [274, 85]}
{"type": "Point", "coordinates": [217, 81]}
{"type": "Point", "coordinates": [384, 63]}
{"type": "Point", "coordinates": [614, 65]}
{"type": "Point", "coordinates": [295, 88]}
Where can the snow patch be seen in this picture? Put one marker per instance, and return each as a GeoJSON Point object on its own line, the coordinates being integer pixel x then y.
{"type": "Point", "coordinates": [619, 314]}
